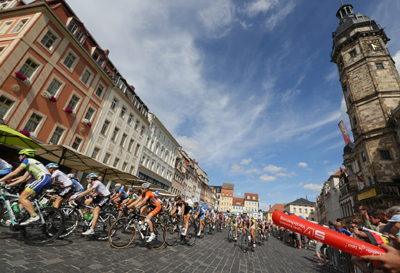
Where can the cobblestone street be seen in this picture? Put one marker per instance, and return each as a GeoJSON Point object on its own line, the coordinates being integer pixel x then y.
{"type": "Point", "coordinates": [210, 254]}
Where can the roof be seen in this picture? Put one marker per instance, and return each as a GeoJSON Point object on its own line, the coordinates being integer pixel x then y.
{"type": "Point", "coordinates": [251, 196]}
{"type": "Point", "coordinates": [338, 173]}
{"type": "Point", "coordinates": [228, 186]}
{"type": "Point", "coordinates": [280, 207]}
{"type": "Point", "coordinates": [237, 201]}
{"type": "Point", "coordinates": [302, 201]}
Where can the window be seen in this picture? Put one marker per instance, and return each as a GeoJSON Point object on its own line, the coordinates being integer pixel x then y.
{"type": "Point", "coordinates": [114, 104]}
{"type": "Point", "coordinates": [300, 210]}
{"type": "Point", "coordinates": [73, 102]}
{"type": "Point", "coordinates": [379, 66]}
{"type": "Point", "coordinates": [130, 119]}
{"type": "Point", "coordinates": [312, 210]}
{"type": "Point", "coordinates": [122, 114]}
{"type": "Point", "coordinates": [123, 139]}
{"type": "Point", "coordinates": [371, 181]}
{"type": "Point", "coordinates": [79, 36]}
{"type": "Point", "coordinates": [53, 87]}
{"type": "Point", "coordinates": [96, 152]}
{"type": "Point", "coordinates": [28, 68]}
{"type": "Point", "coordinates": [152, 166]}
{"type": "Point", "coordinates": [116, 162]}
{"type": "Point", "coordinates": [147, 142]}
{"type": "Point", "coordinates": [72, 27]}
{"type": "Point", "coordinates": [48, 40]}
{"type": "Point", "coordinates": [3, 5]}
{"type": "Point", "coordinates": [58, 132]}
{"type": "Point", "coordinates": [132, 169]}
{"type": "Point", "coordinates": [137, 125]}
{"type": "Point", "coordinates": [101, 61]}
{"type": "Point", "coordinates": [364, 159]}
{"type": "Point", "coordinates": [19, 26]}
{"type": "Point", "coordinates": [137, 150]}
{"type": "Point", "coordinates": [385, 155]}
{"type": "Point", "coordinates": [86, 76]}
{"type": "Point", "coordinates": [355, 121]}
{"type": "Point", "coordinates": [142, 131]}
{"type": "Point", "coordinates": [2, 49]}
{"type": "Point", "coordinates": [115, 134]}
{"type": "Point", "coordinates": [106, 158]}
{"type": "Point", "coordinates": [77, 143]}
{"type": "Point", "coordinates": [69, 60]}
{"type": "Point", "coordinates": [353, 53]}
{"type": "Point", "coordinates": [306, 210]}
{"type": "Point", "coordinates": [5, 27]}
{"type": "Point", "coordinates": [124, 166]}
{"type": "Point", "coordinates": [89, 114]}
{"type": "Point", "coordinates": [254, 198]}
{"type": "Point", "coordinates": [32, 123]}
{"type": "Point", "coordinates": [5, 105]}
{"type": "Point", "coordinates": [158, 168]}
{"type": "Point", "coordinates": [130, 146]}
{"type": "Point", "coordinates": [294, 210]}
{"type": "Point", "coordinates": [99, 90]}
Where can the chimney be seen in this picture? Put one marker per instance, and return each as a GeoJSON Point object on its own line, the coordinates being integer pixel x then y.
{"type": "Point", "coordinates": [269, 206]}
{"type": "Point", "coordinates": [107, 52]}
{"type": "Point", "coordinates": [133, 88]}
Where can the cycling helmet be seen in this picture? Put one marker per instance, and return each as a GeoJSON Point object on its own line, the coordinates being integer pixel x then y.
{"type": "Point", "coordinates": [232, 213]}
{"type": "Point", "coordinates": [237, 214]}
{"type": "Point", "coordinates": [178, 198]}
{"type": "Point", "coordinates": [70, 175]}
{"type": "Point", "coordinates": [146, 185]}
{"type": "Point", "coordinates": [92, 176]}
{"type": "Point", "coordinates": [156, 192]}
{"type": "Point", "coordinates": [28, 152]}
{"type": "Point", "coordinates": [52, 166]}
{"type": "Point", "coordinates": [118, 185]}
{"type": "Point", "coordinates": [245, 212]}
{"type": "Point", "coordinates": [196, 203]}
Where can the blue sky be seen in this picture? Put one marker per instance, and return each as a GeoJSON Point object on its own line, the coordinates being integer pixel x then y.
{"type": "Point", "coordinates": [246, 87]}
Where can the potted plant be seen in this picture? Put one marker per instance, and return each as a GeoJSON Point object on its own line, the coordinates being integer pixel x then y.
{"type": "Point", "coordinates": [68, 110]}
{"type": "Point", "coordinates": [20, 76]}
{"type": "Point", "coordinates": [25, 133]}
{"type": "Point", "coordinates": [87, 122]}
{"type": "Point", "coordinates": [53, 99]}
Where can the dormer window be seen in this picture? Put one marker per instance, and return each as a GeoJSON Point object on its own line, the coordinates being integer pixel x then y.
{"type": "Point", "coordinates": [96, 56]}
{"type": "Point", "coordinates": [79, 36]}
{"type": "Point", "coordinates": [72, 27]}
{"type": "Point", "coordinates": [101, 61]}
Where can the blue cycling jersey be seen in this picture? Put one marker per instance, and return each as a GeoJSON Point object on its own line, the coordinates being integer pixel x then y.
{"type": "Point", "coordinates": [123, 195]}
{"type": "Point", "coordinates": [78, 187]}
{"type": "Point", "coordinates": [199, 209]}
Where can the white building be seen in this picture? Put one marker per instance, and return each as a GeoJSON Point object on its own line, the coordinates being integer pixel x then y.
{"type": "Point", "coordinates": [157, 163]}
{"type": "Point", "coordinates": [251, 202]}
{"type": "Point", "coordinates": [301, 207]}
{"type": "Point", "coordinates": [330, 190]}
{"type": "Point", "coordinates": [237, 205]}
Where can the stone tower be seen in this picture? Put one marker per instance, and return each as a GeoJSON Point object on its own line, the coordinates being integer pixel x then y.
{"type": "Point", "coordinates": [371, 89]}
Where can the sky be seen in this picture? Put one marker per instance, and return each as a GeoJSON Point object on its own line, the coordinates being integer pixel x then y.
{"type": "Point", "coordinates": [246, 87]}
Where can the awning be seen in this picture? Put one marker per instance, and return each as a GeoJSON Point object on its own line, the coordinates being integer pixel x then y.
{"type": "Point", "coordinates": [155, 188]}
{"type": "Point", "coordinates": [9, 136]}
{"type": "Point", "coordinates": [64, 155]}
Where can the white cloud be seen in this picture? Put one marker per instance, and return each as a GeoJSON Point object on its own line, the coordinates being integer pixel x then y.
{"type": "Point", "coordinates": [326, 161]}
{"type": "Point", "coordinates": [330, 173]}
{"type": "Point", "coordinates": [238, 194]}
{"type": "Point", "coordinates": [396, 58]}
{"type": "Point", "coordinates": [271, 195]}
{"type": "Point", "coordinates": [276, 18]}
{"type": "Point", "coordinates": [255, 7]}
{"type": "Point", "coordinates": [303, 164]}
{"type": "Point", "coordinates": [236, 168]}
{"type": "Point", "coordinates": [267, 178]}
{"type": "Point", "coordinates": [218, 17]}
{"type": "Point", "coordinates": [257, 171]}
{"type": "Point", "coordinates": [300, 184]}
{"type": "Point", "coordinates": [273, 169]}
{"type": "Point", "coordinates": [246, 161]}
{"type": "Point", "coordinates": [333, 74]}
{"type": "Point", "coordinates": [313, 187]}
{"type": "Point", "coordinates": [286, 174]}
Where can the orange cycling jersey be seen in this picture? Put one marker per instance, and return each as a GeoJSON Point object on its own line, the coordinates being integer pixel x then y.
{"type": "Point", "coordinates": [152, 199]}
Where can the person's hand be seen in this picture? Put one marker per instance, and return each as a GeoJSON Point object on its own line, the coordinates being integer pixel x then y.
{"type": "Point", "coordinates": [394, 230]}
{"type": "Point", "coordinates": [392, 237]}
{"type": "Point", "coordinates": [389, 262]}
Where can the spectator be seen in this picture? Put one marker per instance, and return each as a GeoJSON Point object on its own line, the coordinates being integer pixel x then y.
{"type": "Point", "coordinates": [320, 249]}
{"type": "Point", "coordinates": [373, 217]}
{"type": "Point", "coordinates": [395, 231]}
{"type": "Point", "coordinates": [344, 225]}
{"type": "Point", "coordinates": [389, 262]}
{"type": "Point", "coordinates": [338, 220]}
{"type": "Point", "coordinates": [359, 223]}
{"type": "Point", "coordinates": [339, 228]}
{"type": "Point", "coordinates": [363, 211]}
{"type": "Point", "coordinates": [330, 223]}
{"type": "Point", "coordinates": [381, 211]}
{"type": "Point", "coordinates": [355, 225]}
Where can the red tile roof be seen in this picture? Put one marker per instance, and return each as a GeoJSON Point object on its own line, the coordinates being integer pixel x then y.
{"type": "Point", "coordinates": [237, 201]}
{"type": "Point", "coordinates": [280, 207]}
{"type": "Point", "coordinates": [251, 196]}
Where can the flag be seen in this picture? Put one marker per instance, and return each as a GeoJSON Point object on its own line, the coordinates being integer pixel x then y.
{"type": "Point", "coordinates": [360, 183]}
{"type": "Point", "coordinates": [344, 131]}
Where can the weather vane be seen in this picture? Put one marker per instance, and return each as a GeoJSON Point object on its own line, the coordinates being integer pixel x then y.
{"type": "Point", "coordinates": [341, 1]}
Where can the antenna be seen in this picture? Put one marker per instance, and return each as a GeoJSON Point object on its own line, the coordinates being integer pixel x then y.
{"type": "Point", "coordinates": [341, 1]}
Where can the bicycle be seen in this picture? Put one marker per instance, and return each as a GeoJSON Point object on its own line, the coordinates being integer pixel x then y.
{"type": "Point", "coordinates": [123, 232]}
{"type": "Point", "coordinates": [49, 228]}
{"type": "Point", "coordinates": [175, 232]}
{"type": "Point", "coordinates": [231, 233]}
{"type": "Point", "coordinates": [246, 241]}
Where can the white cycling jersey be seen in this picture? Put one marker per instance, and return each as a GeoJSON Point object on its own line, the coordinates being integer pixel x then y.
{"type": "Point", "coordinates": [61, 178]}
{"type": "Point", "coordinates": [100, 189]}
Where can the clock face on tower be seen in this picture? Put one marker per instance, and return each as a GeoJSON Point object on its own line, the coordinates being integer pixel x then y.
{"type": "Point", "coordinates": [369, 45]}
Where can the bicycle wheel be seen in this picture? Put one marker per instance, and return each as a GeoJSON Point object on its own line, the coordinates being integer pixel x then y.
{"type": "Point", "coordinates": [190, 237]}
{"type": "Point", "coordinates": [261, 238]}
{"type": "Point", "coordinates": [103, 225]}
{"type": "Point", "coordinates": [173, 234]}
{"type": "Point", "coordinates": [42, 233]}
{"type": "Point", "coordinates": [122, 233]}
{"type": "Point", "coordinates": [218, 227]}
{"type": "Point", "coordinates": [161, 236]}
{"type": "Point", "coordinates": [230, 235]}
{"type": "Point", "coordinates": [245, 242]}
{"type": "Point", "coordinates": [206, 228]}
{"type": "Point", "coordinates": [71, 222]}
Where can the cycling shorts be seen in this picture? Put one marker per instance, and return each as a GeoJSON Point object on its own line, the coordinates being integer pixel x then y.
{"type": "Point", "coordinates": [43, 182]}
{"type": "Point", "coordinates": [100, 201]}
{"type": "Point", "coordinates": [201, 217]}
{"type": "Point", "coordinates": [63, 192]}
{"type": "Point", "coordinates": [187, 210]}
{"type": "Point", "coordinates": [155, 209]}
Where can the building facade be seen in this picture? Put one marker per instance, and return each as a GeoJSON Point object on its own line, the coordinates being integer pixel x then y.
{"type": "Point", "coordinates": [251, 202]}
{"type": "Point", "coordinates": [237, 205]}
{"type": "Point", "coordinates": [371, 88]}
{"type": "Point", "coordinates": [217, 192]}
{"type": "Point", "coordinates": [179, 176]}
{"type": "Point", "coordinates": [331, 193]}
{"type": "Point", "coordinates": [268, 214]}
{"type": "Point", "coordinates": [301, 207]}
{"type": "Point", "coordinates": [226, 197]}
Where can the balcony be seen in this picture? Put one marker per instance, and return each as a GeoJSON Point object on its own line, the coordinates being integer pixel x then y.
{"type": "Point", "coordinates": [379, 189]}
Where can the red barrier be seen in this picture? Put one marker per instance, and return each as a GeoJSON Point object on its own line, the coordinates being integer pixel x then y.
{"type": "Point", "coordinates": [327, 236]}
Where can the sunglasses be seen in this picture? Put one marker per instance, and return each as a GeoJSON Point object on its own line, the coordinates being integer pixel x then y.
{"type": "Point", "coordinates": [353, 226]}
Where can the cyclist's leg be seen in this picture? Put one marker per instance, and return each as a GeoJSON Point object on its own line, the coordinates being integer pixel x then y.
{"type": "Point", "coordinates": [95, 216]}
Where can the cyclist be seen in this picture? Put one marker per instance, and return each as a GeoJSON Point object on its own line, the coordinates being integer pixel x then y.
{"type": "Point", "coordinates": [119, 195]}
{"type": "Point", "coordinates": [248, 222]}
{"type": "Point", "coordinates": [185, 209]}
{"type": "Point", "coordinates": [99, 201]}
{"type": "Point", "coordinates": [221, 219]}
{"type": "Point", "coordinates": [148, 201]}
{"type": "Point", "coordinates": [233, 221]}
{"type": "Point", "coordinates": [60, 178]}
{"type": "Point", "coordinates": [78, 188]}
{"type": "Point", "coordinates": [41, 180]}
{"type": "Point", "coordinates": [199, 213]}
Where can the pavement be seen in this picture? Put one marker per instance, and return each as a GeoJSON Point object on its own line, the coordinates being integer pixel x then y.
{"type": "Point", "coordinates": [213, 253]}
